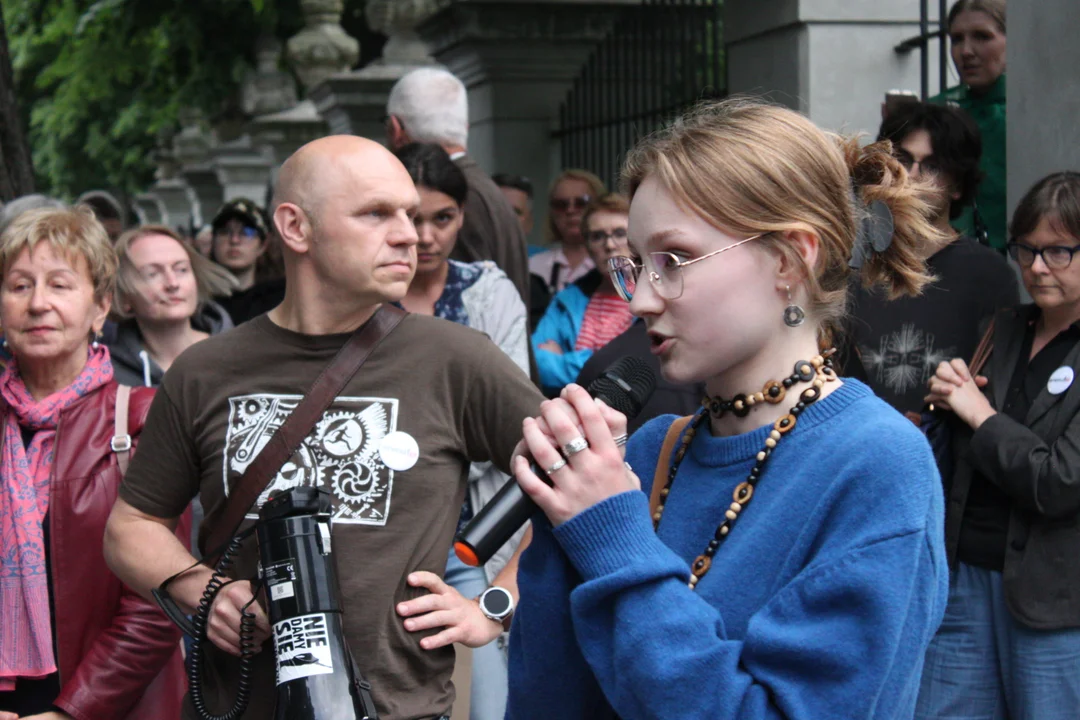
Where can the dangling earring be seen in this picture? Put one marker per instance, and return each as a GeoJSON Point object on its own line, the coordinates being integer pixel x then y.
{"type": "Point", "coordinates": [5, 344]}
{"type": "Point", "coordinates": [793, 314]}
{"type": "Point", "coordinates": [97, 336]}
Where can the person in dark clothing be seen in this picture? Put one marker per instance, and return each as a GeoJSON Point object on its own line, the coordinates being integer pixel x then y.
{"type": "Point", "coordinates": [1011, 635]}
{"type": "Point", "coordinates": [518, 191]}
{"type": "Point", "coordinates": [901, 342]}
{"type": "Point", "coordinates": [668, 399]}
{"type": "Point", "coordinates": [430, 105]}
{"type": "Point", "coordinates": [241, 241]}
{"type": "Point", "coordinates": [162, 303]}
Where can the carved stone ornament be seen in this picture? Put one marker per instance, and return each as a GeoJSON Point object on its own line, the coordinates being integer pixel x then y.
{"type": "Point", "coordinates": [267, 88]}
{"type": "Point", "coordinates": [398, 20]}
{"type": "Point", "coordinates": [322, 48]}
{"type": "Point", "coordinates": [191, 145]}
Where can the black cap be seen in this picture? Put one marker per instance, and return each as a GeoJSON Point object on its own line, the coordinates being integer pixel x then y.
{"type": "Point", "coordinates": [244, 210]}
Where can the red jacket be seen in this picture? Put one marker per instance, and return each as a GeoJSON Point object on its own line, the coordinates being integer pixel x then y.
{"type": "Point", "coordinates": [118, 655]}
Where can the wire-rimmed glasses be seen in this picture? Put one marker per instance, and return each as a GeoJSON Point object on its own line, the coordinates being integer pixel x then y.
{"type": "Point", "coordinates": [665, 271]}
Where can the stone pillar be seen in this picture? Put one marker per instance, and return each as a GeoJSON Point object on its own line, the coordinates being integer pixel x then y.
{"type": "Point", "coordinates": [191, 148]}
{"type": "Point", "coordinates": [1043, 99]}
{"type": "Point", "coordinates": [281, 124]}
{"type": "Point", "coordinates": [243, 171]}
{"type": "Point", "coordinates": [355, 102]}
{"type": "Point", "coordinates": [518, 61]}
{"type": "Point", "coordinates": [177, 199]}
{"type": "Point", "coordinates": [831, 59]}
{"type": "Point", "coordinates": [150, 210]}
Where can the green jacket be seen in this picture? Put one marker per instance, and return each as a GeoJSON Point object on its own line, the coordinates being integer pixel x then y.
{"type": "Point", "coordinates": [988, 111]}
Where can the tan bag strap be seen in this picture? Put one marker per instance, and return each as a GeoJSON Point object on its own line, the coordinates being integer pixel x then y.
{"type": "Point", "coordinates": [982, 352]}
{"type": "Point", "coordinates": [664, 461]}
{"type": "Point", "coordinates": [121, 440]}
{"type": "Point", "coordinates": [287, 438]}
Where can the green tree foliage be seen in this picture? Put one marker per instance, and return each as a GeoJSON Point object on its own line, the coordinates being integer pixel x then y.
{"type": "Point", "coordinates": [99, 81]}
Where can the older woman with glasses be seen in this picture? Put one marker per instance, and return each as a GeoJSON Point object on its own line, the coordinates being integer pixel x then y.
{"type": "Point", "coordinates": [589, 313]}
{"type": "Point", "coordinates": [568, 259]}
{"type": "Point", "coordinates": [782, 554]}
{"type": "Point", "coordinates": [1010, 643]}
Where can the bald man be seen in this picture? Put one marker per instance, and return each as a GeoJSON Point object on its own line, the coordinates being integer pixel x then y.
{"type": "Point", "coordinates": [344, 211]}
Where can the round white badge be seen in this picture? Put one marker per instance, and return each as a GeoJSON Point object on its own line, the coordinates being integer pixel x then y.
{"type": "Point", "coordinates": [399, 451]}
{"type": "Point", "coordinates": [1060, 381]}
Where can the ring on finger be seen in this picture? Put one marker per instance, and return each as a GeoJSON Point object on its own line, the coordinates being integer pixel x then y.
{"type": "Point", "coordinates": [621, 440]}
{"type": "Point", "coordinates": [559, 465]}
{"type": "Point", "coordinates": [575, 446]}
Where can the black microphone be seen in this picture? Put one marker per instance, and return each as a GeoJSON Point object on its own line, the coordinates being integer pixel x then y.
{"type": "Point", "coordinates": [626, 386]}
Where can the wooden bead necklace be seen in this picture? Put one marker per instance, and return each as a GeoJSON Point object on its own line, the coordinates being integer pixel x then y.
{"type": "Point", "coordinates": [816, 371]}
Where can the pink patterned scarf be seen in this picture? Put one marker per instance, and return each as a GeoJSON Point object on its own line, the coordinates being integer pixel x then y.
{"type": "Point", "coordinates": [26, 644]}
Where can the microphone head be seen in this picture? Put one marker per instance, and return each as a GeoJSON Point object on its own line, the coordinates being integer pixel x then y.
{"type": "Point", "coordinates": [626, 385]}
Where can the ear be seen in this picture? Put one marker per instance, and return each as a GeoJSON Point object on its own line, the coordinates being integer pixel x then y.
{"type": "Point", "coordinates": [293, 228]}
{"type": "Point", "coordinates": [101, 313]}
{"type": "Point", "coordinates": [395, 133]}
{"type": "Point", "coordinates": [807, 245]}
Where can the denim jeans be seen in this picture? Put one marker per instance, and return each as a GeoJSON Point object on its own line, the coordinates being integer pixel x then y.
{"type": "Point", "coordinates": [984, 665]}
{"type": "Point", "coordinates": [487, 697]}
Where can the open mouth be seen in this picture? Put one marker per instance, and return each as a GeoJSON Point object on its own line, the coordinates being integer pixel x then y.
{"type": "Point", "coordinates": [659, 344]}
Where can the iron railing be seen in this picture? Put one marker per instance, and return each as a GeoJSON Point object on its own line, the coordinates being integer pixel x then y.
{"type": "Point", "coordinates": [659, 58]}
{"type": "Point", "coordinates": [922, 42]}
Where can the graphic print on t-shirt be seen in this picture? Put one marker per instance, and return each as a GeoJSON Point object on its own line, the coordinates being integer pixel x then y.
{"type": "Point", "coordinates": [340, 455]}
{"type": "Point", "coordinates": [905, 359]}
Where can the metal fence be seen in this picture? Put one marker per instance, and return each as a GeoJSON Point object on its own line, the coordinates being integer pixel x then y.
{"type": "Point", "coordinates": [922, 42]}
{"type": "Point", "coordinates": [659, 58]}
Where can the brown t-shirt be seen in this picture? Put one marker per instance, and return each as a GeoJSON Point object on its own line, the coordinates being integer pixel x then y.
{"type": "Point", "coordinates": [447, 386]}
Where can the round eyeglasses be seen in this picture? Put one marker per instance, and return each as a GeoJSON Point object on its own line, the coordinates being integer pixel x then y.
{"type": "Point", "coordinates": [665, 271]}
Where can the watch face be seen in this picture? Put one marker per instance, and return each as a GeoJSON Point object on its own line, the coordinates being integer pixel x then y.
{"type": "Point", "coordinates": [496, 602]}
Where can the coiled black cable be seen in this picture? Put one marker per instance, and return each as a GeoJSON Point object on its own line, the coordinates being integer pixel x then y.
{"type": "Point", "coordinates": [247, 641]}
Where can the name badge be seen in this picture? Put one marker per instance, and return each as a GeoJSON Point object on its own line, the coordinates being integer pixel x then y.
{"type": "Point", "coordinates": [399, 451]}
{"type": "Point", "coordinates": [1061, 380]}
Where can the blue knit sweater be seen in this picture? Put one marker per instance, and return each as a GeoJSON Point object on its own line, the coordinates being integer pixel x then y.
{"type": "Point", "coordinates": [820, 604]}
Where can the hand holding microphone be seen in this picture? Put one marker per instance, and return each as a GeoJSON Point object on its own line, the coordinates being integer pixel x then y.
{"type": "Point", "coordinates": [585, 466]}
{"type": "Point", "coordinates": [625, 386]}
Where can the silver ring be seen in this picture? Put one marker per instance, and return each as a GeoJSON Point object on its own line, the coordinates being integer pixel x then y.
{"type": "Point", "coordinates": [559, 465]}
{"type": "Point", "coordinates": [621, 440]}
{"type": "Point", "coordinates": [575, 446]}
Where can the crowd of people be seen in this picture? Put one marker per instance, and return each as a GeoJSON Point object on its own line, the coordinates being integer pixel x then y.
{"type": "Point", "coordinates": [852, 494]}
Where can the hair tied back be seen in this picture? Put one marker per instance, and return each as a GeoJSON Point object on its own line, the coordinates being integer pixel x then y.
{"type": "Point", "coordinates": [875, 232]}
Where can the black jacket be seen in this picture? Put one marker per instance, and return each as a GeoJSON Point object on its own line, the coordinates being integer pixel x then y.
{"type": "Point", "coordinates": [1037, 464]}
{"type": "Point", "coordinates": [131, 365]}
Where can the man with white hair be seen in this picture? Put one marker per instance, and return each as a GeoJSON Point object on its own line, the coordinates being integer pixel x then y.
{"type": "Point", "coordinates": [430, 105]}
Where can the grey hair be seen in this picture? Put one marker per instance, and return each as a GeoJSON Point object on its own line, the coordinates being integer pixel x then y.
{"type": "Point", "coordinates": [21, 204]}
{"type": "Point", "coordinates": [432, 105]}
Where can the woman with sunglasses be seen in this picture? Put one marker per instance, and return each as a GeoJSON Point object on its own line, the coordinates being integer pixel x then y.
{"type": "Point", "coordinates": [568, 259]}
{"type": "Point", "coordinates": [792, 564]}
{"type": "Point", "coordinates": [589, 313]}
{"type": "Point", "coordinates": [1010, 643]}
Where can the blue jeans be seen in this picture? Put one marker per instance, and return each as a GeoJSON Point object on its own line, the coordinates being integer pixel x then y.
{"type": "Point", "coordinates": [984, 665]}
{"type": "Point", "coordinates": [487, 697]}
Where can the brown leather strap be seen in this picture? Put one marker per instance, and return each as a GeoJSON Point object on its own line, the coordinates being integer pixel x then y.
{"type": "Point", "coordinates": [121, 440]}
{"type": "Point", "coordinates": [664, 461]}
{"type": "Point", "coordinates": [982, 352]}
{"type": "Point", "coordinates": [287, 438]}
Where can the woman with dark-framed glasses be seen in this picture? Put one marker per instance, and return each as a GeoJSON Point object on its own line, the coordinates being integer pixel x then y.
{"type": "Point", "coordinates": [589, 313]}
{"type": "Point", "coordinates": [782, 554]}
{"type": "Point", "coordinates": [1010, 642]}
